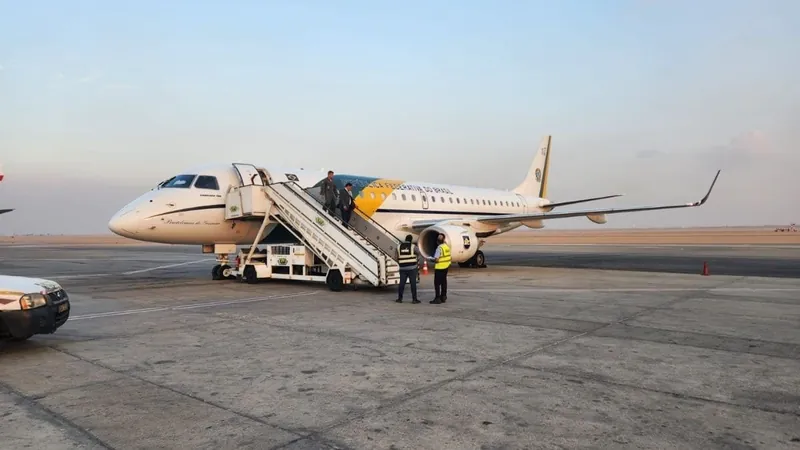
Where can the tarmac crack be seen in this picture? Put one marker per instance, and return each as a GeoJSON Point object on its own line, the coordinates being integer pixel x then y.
{"type": "Point", "coordinates": [80, 386]}
{"type": "Point", "coordinates": [84, 338]}
{"type": "Point", "coordinates": [603, 380]}
{"type": "Point", "coordinates": [724, 343]}
{"type": "Point", "coordinates": [740, 298]}
{"type": "Point", "coordinates": [333, 334]}
{"type": "Point", "coordinates": [183, 394]}
{"type": "Point", "coordinates": [493, 364]}
{"type": "Point", "coordinates": [542, 322]}
{"type": "Point", "coordinates": [73, 430]}
{"type": "Point", "coordinates": [416, 393]}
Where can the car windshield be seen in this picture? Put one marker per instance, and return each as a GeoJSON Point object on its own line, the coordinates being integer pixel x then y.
{"type": "Point", "coordinates": [181, 181]}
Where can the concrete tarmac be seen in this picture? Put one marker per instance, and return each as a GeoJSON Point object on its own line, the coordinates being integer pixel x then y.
{"type": "Point", "coordinates": [528, 353]}
{"type": "Point", "coordinates": [740, 260]}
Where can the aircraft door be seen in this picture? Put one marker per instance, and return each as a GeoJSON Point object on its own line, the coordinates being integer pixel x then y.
{"type": "Point", "coordinates": [248, 174]}
{"type": "Point", "coordinates": [424, 198]}
{"type": "Point", "coordinates": [523, 203]}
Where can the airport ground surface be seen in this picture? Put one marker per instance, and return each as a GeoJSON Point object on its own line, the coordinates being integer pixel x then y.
{"type": "Point", "coordinates": [530, 352]}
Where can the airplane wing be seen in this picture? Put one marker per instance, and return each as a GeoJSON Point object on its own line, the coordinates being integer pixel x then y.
{"type": "Point", "coordinates": [550, 206]}
{"type": "Point", "coordinates": [511, 218]}
{"type": "Point", "coordinates": [3, 211]}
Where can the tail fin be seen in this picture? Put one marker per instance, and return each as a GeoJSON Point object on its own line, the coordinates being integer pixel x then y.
{"type": "Point", "coordinates": [535, 184]}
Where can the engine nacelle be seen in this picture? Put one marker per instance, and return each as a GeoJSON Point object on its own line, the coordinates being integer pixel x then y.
{"type": "Point", "coordinates": [463, 242]}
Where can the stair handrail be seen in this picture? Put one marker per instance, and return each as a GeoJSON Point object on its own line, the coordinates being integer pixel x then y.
{"type": "Point", "coordinates": [364, 215]}
{"type": "Point", "coordinates": [338, 224]}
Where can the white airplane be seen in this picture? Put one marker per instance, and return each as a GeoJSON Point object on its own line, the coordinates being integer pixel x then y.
{"type": "Point", "coordinates": [189, 208]}
{"type": "Point", "coordinates": [2, 175]}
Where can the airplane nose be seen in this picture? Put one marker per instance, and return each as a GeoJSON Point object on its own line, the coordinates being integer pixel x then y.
{"type": "Point", "coordinates": [123, 224]}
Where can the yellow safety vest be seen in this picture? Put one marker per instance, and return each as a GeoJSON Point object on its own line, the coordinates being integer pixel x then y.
{"type": "Point", "coordinates": [406, 256]}
{"type": "Point", "coordinates": [444, 257]}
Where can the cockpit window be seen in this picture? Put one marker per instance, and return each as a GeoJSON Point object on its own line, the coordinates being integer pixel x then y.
{"type": "Point", "coordinates": [181, 181]}
{"type": "Point", "coordinates": [206, 182]}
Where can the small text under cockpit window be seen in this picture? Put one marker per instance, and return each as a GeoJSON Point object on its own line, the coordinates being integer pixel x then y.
{"type": "Point", "coordinates": [206, 182]}
{"type": "Point", "coordinates": [181, 181]}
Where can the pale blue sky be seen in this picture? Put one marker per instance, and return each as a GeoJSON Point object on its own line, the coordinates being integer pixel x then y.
{"type": "Point", "coordinates": [644, 97]}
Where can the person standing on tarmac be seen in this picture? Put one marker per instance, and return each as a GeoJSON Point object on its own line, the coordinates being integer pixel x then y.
{"type": "Point", "coordinates": [328, 192]}
{"type": "Point", "coordinates": [409, 268]}
{"type": "Point", "coordinates": [441, 260]}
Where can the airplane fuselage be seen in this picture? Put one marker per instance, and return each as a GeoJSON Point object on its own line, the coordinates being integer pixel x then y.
{"type": "Point", "coordinates": [190, 208]}
{"type": "Point", "coordinates": [193, 213]}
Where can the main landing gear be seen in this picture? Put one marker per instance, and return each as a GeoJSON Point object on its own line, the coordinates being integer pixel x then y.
{"type": "Point", "coordinates": [478, 260]}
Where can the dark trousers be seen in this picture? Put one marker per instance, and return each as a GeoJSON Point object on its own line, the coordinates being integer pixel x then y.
{"type": "Point", "coordinates": [408, 275]}
{"type": "Point", "coordinates": [440, 282]}
{"type": "Point", "coordinates": [346, 215]}
{"type": "Point", "coordinates": [330, 206]}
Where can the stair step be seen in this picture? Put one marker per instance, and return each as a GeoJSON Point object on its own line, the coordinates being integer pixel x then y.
{"type": "Point", "coordinates": [308, 230]}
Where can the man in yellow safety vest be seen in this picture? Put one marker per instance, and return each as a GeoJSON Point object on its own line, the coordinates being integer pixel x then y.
{"type": "Point", "coordinates": [441, 261]}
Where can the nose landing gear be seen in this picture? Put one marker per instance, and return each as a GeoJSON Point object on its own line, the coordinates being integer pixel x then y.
{"type": "Point", "coordinates": [222, 272]}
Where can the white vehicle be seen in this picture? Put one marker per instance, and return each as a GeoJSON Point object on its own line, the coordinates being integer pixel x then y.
{"type": "Point", "coordinates": [30, 306]}
{"type": "Point", "coordinates": [195, 207]}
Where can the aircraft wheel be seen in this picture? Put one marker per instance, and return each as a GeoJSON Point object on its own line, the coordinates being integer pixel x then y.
{"type": "Point", "coordinates": [480, 259]}
{"type": "Point", "coordinates": [225, 272]}
{"type": "Point", "coordinates": [215, 272]}
{"type": "Point", "coordinates": [334, 280]}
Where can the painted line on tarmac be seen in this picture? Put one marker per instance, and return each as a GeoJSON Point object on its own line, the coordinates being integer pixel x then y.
{"type": "Point", "coordinates": [86, 245]}
{"type": "Point", "coordinates": [167, 266]}
{"type": "Point", "coordinates": [649, 246]}
{"type": "Point", "coordinates": [536, 290]}
{"type": "Point", "coordinates": [131, 272]}
{"type": "Point", "coordinates": [178, 258]}
{"type": "Point", "coordinates": [128, 312]}
{"type": "Point", "coordinates": [72, 277]}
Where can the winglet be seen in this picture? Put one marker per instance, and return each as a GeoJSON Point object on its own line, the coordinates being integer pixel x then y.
{"type": "Point", "coordinates": [708, 194]}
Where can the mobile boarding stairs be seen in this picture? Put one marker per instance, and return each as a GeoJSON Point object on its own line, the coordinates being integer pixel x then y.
{"type": "Point", "coordinates": [364, 253]}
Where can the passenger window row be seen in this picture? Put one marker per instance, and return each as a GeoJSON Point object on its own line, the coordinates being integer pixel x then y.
{"type": "Point", "coordinates": [458, 200]}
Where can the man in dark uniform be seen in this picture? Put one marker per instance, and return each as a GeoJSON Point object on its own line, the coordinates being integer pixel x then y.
{"type": "Point", "coordinates": [346, 202]}
{"type": "Point", "coordinates": [409, 268]}
{"type": "Point", "coordinates": [328, 192]}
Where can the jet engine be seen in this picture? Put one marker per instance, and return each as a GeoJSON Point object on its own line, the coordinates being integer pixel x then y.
{"type": "Point", "coordinates": [463, 242]}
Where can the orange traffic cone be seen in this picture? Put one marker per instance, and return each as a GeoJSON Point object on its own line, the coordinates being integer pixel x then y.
{"type": "Point", "coordinates": [425, 267]}
{"type": "Point", "coordinates": [705, 269]}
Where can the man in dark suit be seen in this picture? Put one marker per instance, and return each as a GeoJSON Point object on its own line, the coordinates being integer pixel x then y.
{"type": "Point", "coordinates": [346, 203]}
